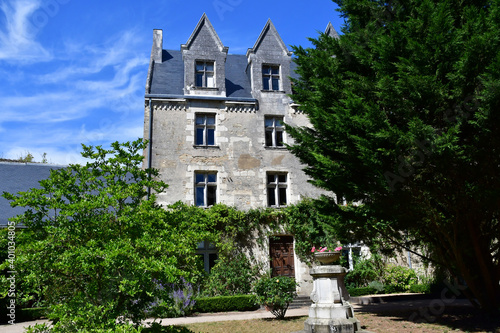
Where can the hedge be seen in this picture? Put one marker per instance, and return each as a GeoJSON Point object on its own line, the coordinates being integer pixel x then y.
{"type": "Point", "coordinates": [226, 303]}
{"type": "Point", "coordinates": [361, 291]}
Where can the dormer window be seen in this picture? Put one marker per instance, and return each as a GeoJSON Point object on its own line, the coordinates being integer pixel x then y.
{"type": "Point", "coordinates": [205, 74]}
{"type": "Point", "coordinates": [271, 77]}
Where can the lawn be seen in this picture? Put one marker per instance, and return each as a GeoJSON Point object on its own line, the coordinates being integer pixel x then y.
{"type": "Point", "coordinates": [454, 319]}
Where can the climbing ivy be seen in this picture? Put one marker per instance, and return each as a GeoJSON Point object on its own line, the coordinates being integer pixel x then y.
{"type": "Point", "coordinates": [231, 229]}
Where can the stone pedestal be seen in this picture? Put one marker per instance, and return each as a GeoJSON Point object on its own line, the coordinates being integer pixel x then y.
{"type": "Point", "coordinates": [330, 311]}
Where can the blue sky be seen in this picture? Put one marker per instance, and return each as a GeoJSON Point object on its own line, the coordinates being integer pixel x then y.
{"type": "Point", "coordinates": [74, 71]}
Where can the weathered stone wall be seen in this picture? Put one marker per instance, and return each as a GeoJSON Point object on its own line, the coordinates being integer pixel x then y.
{"type": "Point", "coordinates": [239, 156]}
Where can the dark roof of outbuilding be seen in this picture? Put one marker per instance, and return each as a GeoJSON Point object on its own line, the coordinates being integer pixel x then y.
{"type": "Point", "coordinates": [19, 177]}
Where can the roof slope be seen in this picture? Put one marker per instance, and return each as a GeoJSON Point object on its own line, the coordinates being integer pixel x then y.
{"type": "Point", "coordinates": [20, 177]}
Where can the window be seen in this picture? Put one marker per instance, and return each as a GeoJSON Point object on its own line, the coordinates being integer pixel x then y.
{"type": "Point", "coordinates": [207, 254]}
{"type": "Point", "coordinates": [205, 129]}
{"type": "Point", "coordinates": [205, 74]}
{"type": "Point", "coordinates": [205, 189]}
{"type": "Point", "coordinates": [271, 77]}
{"type": "Point", "coordinates": [274, 131]}
{"type": "Point", "coordinates": [276, 189]}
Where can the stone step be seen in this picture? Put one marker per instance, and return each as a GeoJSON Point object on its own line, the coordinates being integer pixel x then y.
{"type": "Point", "coordinates": [300, 301]}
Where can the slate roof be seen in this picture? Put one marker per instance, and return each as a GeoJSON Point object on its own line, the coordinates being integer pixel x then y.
{"type": "Point", "coordinates": [168, 76]}
{"type": "Point", "coordinates": [19, 177]}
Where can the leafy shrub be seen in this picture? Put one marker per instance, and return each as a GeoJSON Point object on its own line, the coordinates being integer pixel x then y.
{"type": "Point", "coordinates": [422, 288]}
{"type": "Point", "coordinates": [126, 328]}
{"type": "Point", "coordinates": [226, 303]}
{"type": "Point", "coordinates": [379, 286]}
{"type": "Point", "coordinates": [400, 278]}
{"type": "Point", "coordinates": [361, 291]}
{"type": "Point", "coordinates": [365, 270]}
{"type": "Point", "coordinates": [232, 275]}
{"type": "Point", "coordinates": [157, 328]}
{"type": "Point", "coordinates": [38, 328]}
{"type": "Point", "coordinates": [276, 293]}
{"type": "Point", "coordinates": [173, 300]}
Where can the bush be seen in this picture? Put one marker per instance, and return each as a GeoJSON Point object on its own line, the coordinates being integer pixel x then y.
{"type": "Point", "coordinates": [232, 275]}
{"type": "Point", "coordinates": [361, 291]}
{"type": "Point", "coordinates": [226, 303]}
{"type": "Point", "coordinates": [420, 288]}
{"type": "Point", "coordinates": [157, 328]}
{"type": "Point", "coordinates": [173, 300]}
{"type": "Point", "coordinates": [400, 278]}
{"type": "Point", "coordinates": [377, 286]}
{"type": "Point", "coordinates": [365, 270]}
{"type": "Point", "coordinates": [276, 293]}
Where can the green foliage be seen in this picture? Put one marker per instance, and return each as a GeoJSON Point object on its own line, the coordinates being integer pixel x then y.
{"type": "Point", "coordinates": [172, 300]}
{"type": "Point", "coordinates": [228, 228]}
{"type": "Point", "coordinates": [400, 278]}
{"type": "Point", "coordinates": [226, 303]}
{"type": "Point", "coordinates": [377, 285]}
{"type": "Point", "coordinates": [422, 288]}
{"type": "Point", "coordinates": [365, 270]}
{"type": "Point", "coordinates": [231, 275]}
{"type": "Point", "coordinates": [404, 109]}
{"type": "Point", "coordinates": [157, 328]}
{"type": "Point", "coordinates": [27, 158]}
{"type": "Point", "coordinates": [276, 293]}
{"type": "Point", "coordinates": [362, 291]}
{"type": "Point", "coordinates": [38, 328]}
{"type": "Point", "coordinates": [153, 328]}
{"type": "Point", "coordinates": [97, 241]}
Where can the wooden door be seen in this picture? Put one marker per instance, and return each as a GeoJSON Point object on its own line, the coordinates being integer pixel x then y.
{"type": "Point", "coordinates": [282, 260]}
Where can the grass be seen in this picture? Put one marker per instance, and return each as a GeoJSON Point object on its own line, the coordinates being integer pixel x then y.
{"type": "Point", "coordinates": [256, 325]}
{"type": "Point", "coordinates": [455, 319]}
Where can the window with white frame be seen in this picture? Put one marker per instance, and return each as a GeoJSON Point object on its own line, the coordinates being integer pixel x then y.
{"type": "Point", "coordinates": [270, 77]}
{"type": "Point", "coordinates": [205, 189]}
{"type": "Point", "coordinates": [274, 131]}
{"type": "Point", "coordinates": [205, 129]}
{"type": "Point", "coordinates": [277, 185]}
{"type": "Point", "coordinates": [205, 74]}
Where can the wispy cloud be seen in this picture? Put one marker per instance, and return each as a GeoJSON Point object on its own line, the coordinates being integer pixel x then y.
{"type": "Point", "coordinates": [90, 94]}
{"type": "Point", "coordinates": [17, 37]}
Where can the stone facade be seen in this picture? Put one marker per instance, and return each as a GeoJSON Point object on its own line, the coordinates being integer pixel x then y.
{"type": "Point", "coordinates": [216, 128]}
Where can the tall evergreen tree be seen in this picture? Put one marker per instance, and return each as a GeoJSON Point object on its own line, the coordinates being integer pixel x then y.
{"type": "Point", "coordinates": [405, 114]}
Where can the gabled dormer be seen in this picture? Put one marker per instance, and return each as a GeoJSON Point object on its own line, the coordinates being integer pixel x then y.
{"type": "Point", "coordinates": [204, 58]}
{"type": "Point", "coordinates": [269, 63]}
{"type": "Point", "coordinates": [330, 31]}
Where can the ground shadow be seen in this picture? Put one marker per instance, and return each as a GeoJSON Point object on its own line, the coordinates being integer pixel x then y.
{"type": "Point", "coordinates": [455, 316]}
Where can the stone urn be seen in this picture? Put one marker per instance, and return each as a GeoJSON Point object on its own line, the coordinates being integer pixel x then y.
{"type": "Point", "coordinates": [327, 258]}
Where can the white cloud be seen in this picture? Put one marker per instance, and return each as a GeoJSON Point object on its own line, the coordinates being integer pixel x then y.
{"type": "Point", "coordinates": [18, 36]}
{"type": "Point", "coordinates": [86, 93]}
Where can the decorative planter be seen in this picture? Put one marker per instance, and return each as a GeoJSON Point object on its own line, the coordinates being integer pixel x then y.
{"type": "Point", "coordinates": [327, 258]}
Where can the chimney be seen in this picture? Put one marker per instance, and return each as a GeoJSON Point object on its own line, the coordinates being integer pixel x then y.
{"type": "Point", "coordinates": [156, 51]}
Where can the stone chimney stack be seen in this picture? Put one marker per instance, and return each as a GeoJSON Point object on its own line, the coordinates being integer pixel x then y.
{"type": "Point", "coordinates": [156, 51]}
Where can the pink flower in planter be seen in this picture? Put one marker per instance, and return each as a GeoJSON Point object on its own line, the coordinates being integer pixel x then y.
{"type": "Point", "coordinates": [323, 249]}
{"type": "Point", "coordinates": [338, 248]}
{"type": "Point", "coordinates": [313, 249]}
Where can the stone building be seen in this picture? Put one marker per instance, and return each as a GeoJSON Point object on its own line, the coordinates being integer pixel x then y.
{"type": "Point", "coordinates": [215, 125]}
